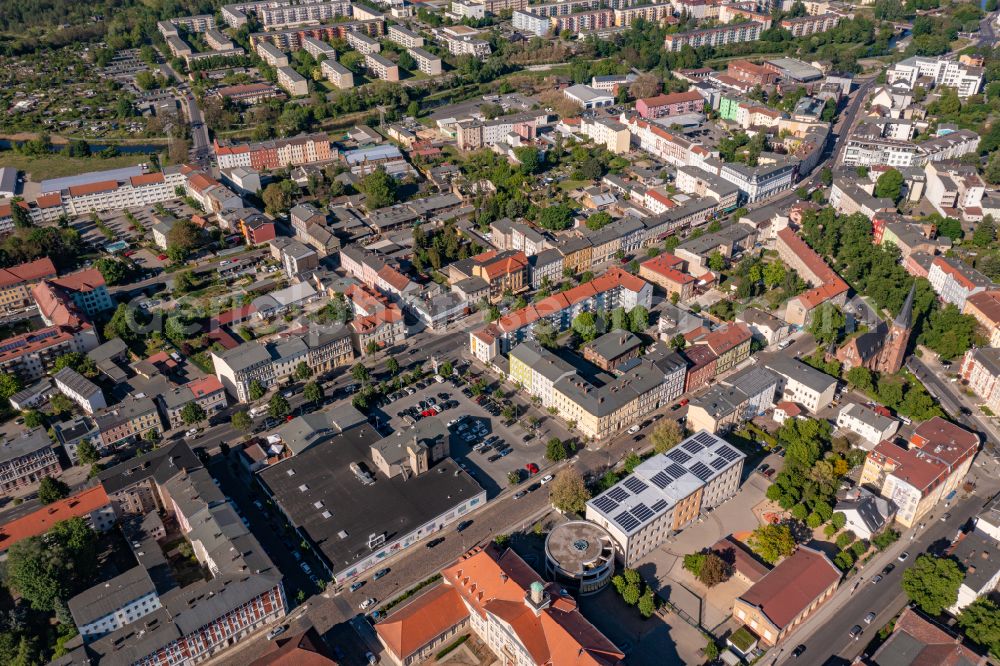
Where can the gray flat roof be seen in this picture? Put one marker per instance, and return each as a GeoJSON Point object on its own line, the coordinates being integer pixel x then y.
{"type": "Point", "coordinates": [793, 368]}
{"type": "Point", "coordinates": [8, 180]}
{"type": "Point", "coordinates": [103, 599]}
{"type": "Point", "coordinates": [24, 444]}
{"type": "Point", "coordinates": [395, 506]}
{"type": "Point", "coordinates": [58, 184]}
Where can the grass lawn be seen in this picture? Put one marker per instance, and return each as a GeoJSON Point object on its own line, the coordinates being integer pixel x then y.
{"type": "Point", "coordinates": [57, 166]}
{"type": "Point", "coordinates": [569, 184]}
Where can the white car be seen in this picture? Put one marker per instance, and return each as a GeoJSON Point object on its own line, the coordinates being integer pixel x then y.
{"type": "Point", "coordinates": [191, 433]}
{"type": "Point", "coordinates": [634, 429]}
{"type": "Point", "coordinates": [367, 603]}
{"type": "Point", "coordinates": [546, 479]}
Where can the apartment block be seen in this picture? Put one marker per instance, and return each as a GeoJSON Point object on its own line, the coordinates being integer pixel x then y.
{"type": "Point", "coordinates": [532, 23]}
{"type": "Point", "coordinates": [16, 283]}
{"type": "Point", "coordinates": [271, 54]}
{"type": "Point", "coordinates": [607, 132]}
{"type": "Point", "coordinates": [80, 390]}
{"type": "Point", "coordinates": [985, 307]}
{"type": "Point", "coordinates": [362, 43]}
{"type": "Point", "coordinates": [277, 153]}
{"type": "Point", "coordinates": [218, 41]}
{"type": "Point", "coordinates": [90, 505]}
{"type": "Point", "coordinates": [112, 193]}
{"type": "Point", "coordinates": [803, 384]}
{"type": "Point", "coordinates": [966, 79]}
{"type": "Point", "coordinates": [206, 392]}
{"type": "Point", "coordinates": [294, 83]}
{"type": "Point", "coordinates": [938, 456]}
{"type": "Point", "coordinates": [981, 371]}
{"type": "Point", "coordinates": [314, 12]}
{"type": "Point", "coordinates": [672, 104]}
{"type": "Point", "coordinates": [337, 74]}
{"type": "Point", "coordinates": [382, 67]}
{"type": "Point", "coordinates": [666, 493]}
{"type": "Point", "coordinates": [719, 36]}
{"type": "Point", "coordinates": [733, 401]}
{"type": "Point", "coordinates": [405, 37]}
{"type": "Point", "coordinates": [128, 422]}
{"type": "Point", "coordinates": [868, 424]}
{"type": "Point", "coordinates": [427, 62]}
{"type": "Point", "coordinates": [31, 355]}
{"type": "Point", "coordinates": [955, 281]}
{"type": "Point", "coordinates": [804, 26]}
{"type": "Point", "coordinates": [317, 48]}
{"type": "Point", "coordinates": [25, 459]}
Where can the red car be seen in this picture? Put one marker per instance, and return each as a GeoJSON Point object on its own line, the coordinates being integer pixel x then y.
{"type": "Point", "coordinates": [161, 257]}
{"type": "Point", "coordinates": [683, 402]}
{"type": "Point", "coordinates": [532, 468]}
{"type": "Point", "coordinates": [428, 412]}
{"type": "Point", "coordinates": [128, 253]}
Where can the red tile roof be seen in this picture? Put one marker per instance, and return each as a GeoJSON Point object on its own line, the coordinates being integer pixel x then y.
{"type": "Point", "coordinates": [205, 386]}
{"type": "Point", "coordinates": [735, 554]}
{"type": "Point", "coordinates": [910, 465]}
{"type": "Point", "coordinates": [54, 306]}
{"type": "Point", "coordinates": [42, 520]}
{"type": "Point", "coordinates": [302, 649]}
{"type": "Point", "coordinates": [792, 586]}
{"type": "Point", "coordinates": [154, 178]}
{"type": "Point", "coordinates": [673, 98]}
{"type": "Point", "coordinates": [417, 623]}
{"type": "Point", "coordinates": [29, 272]}
{"type": "Point", "coordinates": [988, 303]}
{"type": "Point", "coordinates": [728, 337]}
{"type": "Point", "coordinates": [49, 200]}
{"type": "Point", "coordinates": [235, 315]}
{"type": "Point", "coordinates": [944, 440]}
{"type": "Point", "coordinates": [86, 280]}
{"type": "Point", "coordinates": [396, 279]}
{"type": "Point", "coordinates": [506, 265]}
{"type": "Point", "coordinates": [936, 647]}
{"type": "Point", "coordinates": [93, 188]}
{"type": "Point", "coordinates": [831, 284]}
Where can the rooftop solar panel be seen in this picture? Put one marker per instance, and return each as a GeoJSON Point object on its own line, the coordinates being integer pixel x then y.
{"type": "Point", "coordinates": [678, 456]}
{"type": "Point", "coordinates": [727, 453]}
{"type": "Point", "coordinates": [718, 463]}
{"type": "Point", "coordinates": [659, 505]}
{"type": "Point", "coordinates": [675, 470]}
{"type": "Point", "coordinates": [618, 494]}
{"type": "Point", "coordinates": [661, 480]}
{"type": "Point", "coordinates": [605, 504]}
{"type": "Point", "coordinates": [627, 521]}
{"type": "Point", "coordinates": [635, 484]}
{"type": "Point", "coordinates": [643, 513]}
{"type": "Point", "coordinates": [705, 439]}
{"type": "Point", "coordinates": [701, 471]}
{"type": "Point", "coordinates": [692, 446]}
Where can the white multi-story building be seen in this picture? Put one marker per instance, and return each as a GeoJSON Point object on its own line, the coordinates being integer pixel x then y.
{"type": "Point", "coordinates": [80, 390]}
{"type": "Point", "coordinates": [954, 187]}
{"type": "Point", "coordinates": [667, 493]}
{"type": "Point", "coordinates": [383, 68]}
{"type": "Point", "coordinates": [965, 79]}
{"type": "Point", "coordinates": [667, 146]}
{"type": "Point", "coordinates": [875, 151]}
{"type": "Point", "coordinates": [954, 281]}
{"type": "Point", "coordinates": [337, 74]}
{"type": "Point", "coordinates": [950, 146]}
{"type": "Point", "coordinates": [294, 83]}
{"type": "Point", "coordinates": [538, 370]}
{"type": "Point", "coordinates": [532, 23]}
{"type": "Point", "coordinates": [218, 41]}
{"type": "Point", "coordinates": [197, 23]}
{"type": "Point", "coordinates": [119, 194]}
{"type": "Point", "coordinates": [763, 180]}
{"type": "Point", "coordinates": [362, 43]}
{"type": "Point", "coordinates": [981, 370]}
{"type": "Point", "coordinates": [405, 37]}
{"type": "Point", "coordinates": [803, 384]}
{"type": "Point", "coordinates": [468, 9]}
{"type": "Point", "coordinates": [867, 423]}
{"type": "Point", "coordinates": [733, 33]}
{"type": "Point", "coordinates": [427, 62]}
{"type": "Point", "coordinates": [317, 47]}
{"type": "Point", "coordinates": [289, 14]}
{"type": "Point", "coordinates": [607, 132]}
{"type": "Point", "coordinates": [120, 601]}
{"type": "Point", "coordinates": [271, 54]}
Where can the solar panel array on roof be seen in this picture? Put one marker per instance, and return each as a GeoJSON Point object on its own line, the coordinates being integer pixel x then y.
{"type": "Point", "coordinates": [627, 521]}
{"type": "Point", "coordinates": [618, 494]}
{"type": "Point", "coordinates": [678, 456]}
{"type": "Point", "coordinates": [728, 453]}
{"type": "Point", "coordinates": [718, 463]}
{"type": "Point", "coordinates": [635, 484]}
{"type": "Point", "coordinates": [705, 439]}
{"type": "Point", "coordinates": [692, 446]}
{"type": "Point", "coordinates": [659, 505]}
{"type": "Point", "coordinates": [700, 470]}
{"type": "Point", "coordinates": [661, 480]}
{"type": "Point", "coordinates": [643, 512]}
{"type": "Point", "coordinates": [675, 470]}
{"type": "Point", "coordinates": [605, 504]}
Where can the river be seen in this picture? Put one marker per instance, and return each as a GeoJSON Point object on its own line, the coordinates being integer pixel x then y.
{"type": "Point", "coordinates": [123, 148]}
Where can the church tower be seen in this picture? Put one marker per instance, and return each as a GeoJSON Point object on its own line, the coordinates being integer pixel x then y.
{"type": "Point", "coordinates": [894, 349]}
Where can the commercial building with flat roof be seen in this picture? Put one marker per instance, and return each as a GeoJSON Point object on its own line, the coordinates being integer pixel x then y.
{"type": "Point", "coordinates": [338, 498]}
{"type": "Point", "coordinates": [666, 493]}
{"type": "Point", "coordinates": [26, 458]}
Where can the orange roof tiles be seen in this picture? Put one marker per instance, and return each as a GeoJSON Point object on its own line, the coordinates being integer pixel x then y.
{"type": "Point", "coordinates": [988, 303]}
{"type": "Point", "coordinates": [154, 178]}
{"type": "Point", "coordinates": [86, 280]}
{"type": "Point", "coordinates": [199, 182]}
{"type": "Point", "coordinates": [53, 306]}
{"type": "Point", "coordinates": [93, 188]}
{"type": "Point", "coordinates": [396, 279]}
{"type": "Point", "coordinates": [506, 265]}
{"type": "Point", "coordinates": [667, 266]}
{"type": "Point", "coordinates": [423, 619]}
{"type": "Point", "coordinates": [49, 200]}
{"type": "Point", "coordinates": [673, 98]}
{"type": "Point", "coordinates": [911, 465]}
{"type": "Point", "coordinates": [42, 520]}
{"type": "Point", "coordinates": [27, 272]}
{"type": "Point", "coordinates": [832, 284]}
{"type": "Point", "coordinates": [728, 337]}
{"type": "Point", "coordinates": [205, 386]}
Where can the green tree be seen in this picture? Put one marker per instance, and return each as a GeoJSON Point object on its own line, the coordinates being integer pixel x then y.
{"type": "Point", "coordinates": [392, 365]}
{"type": "Point", "coordinates": [32, 418]}
{"type": "Point", "coordinates": [932, 583]}
{"type": "Point", "coordinates": [714, 570]}
{"type": "Point", "coordinates": [303, 371]}
{"type": "Point", "coordinates": [256, 390]}
{"type": "Point", "coordinates": [555, 218]}
{"type": "Point", "coordinates": [772, 542]}
{"type": "Point", "coordinates": [87, 453]}
{"type": "Point", "coordinates": [950, 227]}
{"type": "Point", "coordinates": [638, 318]}
{"type": "Point", "coordinates": [379, 189]}
{"type": "Point", "coordinates": [184, 282]}
{"type": "Point", "coordinates": [446, 369]}
{"type": "Point", "coordinates": [278, 407]}
{"type": "Point", "coordinates": [647, 603]}
{"type": "Point", "coordinates": [530, 159]}
{"type": "Point", "coordinates": [51, 490]}
{"type": "Point", "coordinates": [555, 450]}
{"type": "Point", "coordinates": [568, 491]}
{"type": "Point", "coordinates": [948, 332]}
{"type": "Point", "coordinates": [587, 325]}
{"type": "Point", "coordinates": [184, 234]}
{"type": "Point", "coordinates": [985, 233]}
{"type": "Point", "coordinates": [113, 271]}
{"type": "Point", "coordinates": [774, 274]}
{"type": "Point", "coordinates": [666, 435]}
{"type": "Point", "coordinates": [980, 621]}
{"type": "Point", "coordinates": [193, 413]}
{"type": "Point", "coordinates": [693, 563]}
{"type": "Point", "coordinates": [279, 196]}
{"type": "Point", "coordinates": [827, 323]}
{"type": "Point", "coordinates": [47, 569]}
{"type": "Point", "coordinates": [360, 372]}
{"type": "Point", "coordinates": [242, 422]}
{"type": "Point", "coordinates": [889, 185]}
{"type": "Point", "coordinates": [861, 378]}
{"type": "Point", "coordinates": [631, 594]}
{"type": "Point", "coordinates": [716, 261]}
{"type": "Point", "coordinates": [9, 385]}
{"type": "Point", "coordinates": [313, 392]}
{"type": "Point", "coordinates": [598, 221]}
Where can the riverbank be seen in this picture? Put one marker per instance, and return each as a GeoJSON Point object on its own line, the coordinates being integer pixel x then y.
{"type": "Point", "coordinates": [58, 140]}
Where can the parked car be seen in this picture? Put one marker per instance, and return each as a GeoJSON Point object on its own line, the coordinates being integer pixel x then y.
{"type": "Point", "coordinates": [546, 479]}
{"type": "Point", "coordinates": [277, 631]}
{"type": "Point", "coordinates": [877, 579]}
{"type": "Point", "coordinates": [855, 632]}
{"type": "Point", "coordinates": [634, 429]}
{"type": "Point", "coordinates": [381, 573]}
{"type": "Point", "coordinates": [869, 618]}
{"type": "Point", "coordinates": [435, 542]}
{"type": "Point", "coordinates": [462, 526]}
{"type": "Point", "coordinates": [521, 493]}
{"type": "Point", "coordinates": [357, 585]}
{"type": "Point", "coordinates": [532, 468]}
{"type": "Point", "coordinates": [903, 556]}
{"type": "Point", "coordinates": [888, 568]}
{"type": "Point", "coordinates": [367, 603]}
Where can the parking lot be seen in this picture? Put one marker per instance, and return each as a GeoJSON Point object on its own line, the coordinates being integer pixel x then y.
{"type": "Point", "coordinates": [482, 443]}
